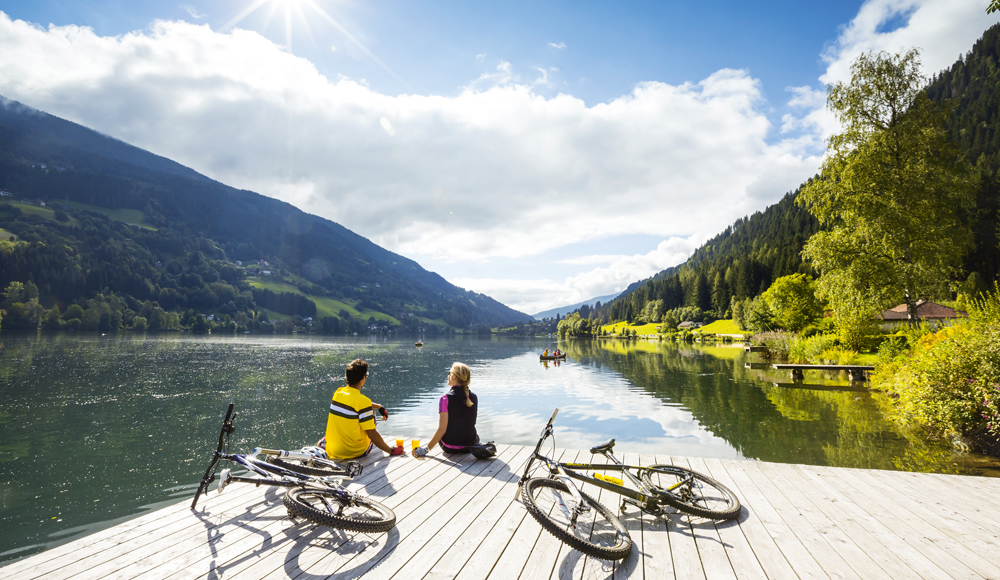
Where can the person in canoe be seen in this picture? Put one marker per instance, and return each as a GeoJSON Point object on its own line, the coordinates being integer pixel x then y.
{"type": "Point", "coordinates": [546, 353]}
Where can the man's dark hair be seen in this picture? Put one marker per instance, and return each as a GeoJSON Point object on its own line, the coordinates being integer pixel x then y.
{"type": "Point", "coordinates": [357, 369]}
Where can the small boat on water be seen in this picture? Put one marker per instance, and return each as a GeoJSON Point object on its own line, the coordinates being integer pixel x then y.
{"type": "Point", "coordinates": [419, 343]}
{"type": "Point", "coordinates": [560, 357]}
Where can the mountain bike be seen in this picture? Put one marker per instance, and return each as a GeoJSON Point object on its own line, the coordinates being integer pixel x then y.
{"type": "Point", "coordinates": [588, 526]}
{"type": "Point", "coordinates": [314, 491]}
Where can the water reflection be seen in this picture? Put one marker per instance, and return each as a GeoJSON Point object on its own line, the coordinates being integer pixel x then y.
{"type": "Point", "coordinates": [97, 429]}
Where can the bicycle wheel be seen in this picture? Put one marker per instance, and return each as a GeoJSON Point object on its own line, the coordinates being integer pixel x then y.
{"type": "Point", "coordinates": [698, 494]}
{"type": "Point", "coordinates": [338, 509]}
{"type": "Point", "coordinates": [319, 467]}
{"type": "Point", "coordinates": [598, 533]}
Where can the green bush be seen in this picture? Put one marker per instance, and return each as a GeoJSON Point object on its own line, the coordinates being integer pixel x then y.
{"type": "Point", "coordinates": [950, 380]}
{"type": "Point", "coordinates": [838, 356]}
{"type": "Point", "coordinates": [778, 344]}
{"type": "Point", "coordinates": [809, 350]}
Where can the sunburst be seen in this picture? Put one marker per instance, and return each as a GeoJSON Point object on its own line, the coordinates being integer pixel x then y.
{"type": "Point", "coordinates": [288, 7]}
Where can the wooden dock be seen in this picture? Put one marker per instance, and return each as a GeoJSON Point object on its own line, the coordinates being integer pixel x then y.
{"type": "Point", "coordinates": [458, 519]}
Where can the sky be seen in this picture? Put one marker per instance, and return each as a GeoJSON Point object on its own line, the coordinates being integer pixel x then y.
{"type": "Point", "coordinates": [542, 153]}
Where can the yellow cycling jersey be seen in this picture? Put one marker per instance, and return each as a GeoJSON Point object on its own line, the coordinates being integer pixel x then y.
{"type": "Point", "coordinates": [351, 414]}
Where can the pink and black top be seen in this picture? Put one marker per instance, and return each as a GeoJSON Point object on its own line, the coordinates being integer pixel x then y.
{"type": "Point", "coordinates": [461, 431]}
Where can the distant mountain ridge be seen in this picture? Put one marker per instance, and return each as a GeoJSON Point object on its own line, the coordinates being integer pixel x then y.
{"type": "Point", "coordinates": [564, 310]}
{"type": "Point", "coordinates": [190, 215]}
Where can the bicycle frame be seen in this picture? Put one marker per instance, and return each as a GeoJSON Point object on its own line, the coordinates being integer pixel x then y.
{"type": "Point", "coordinates": [645, 498]}
{"type": "Point", "coordinates": [269, 474]}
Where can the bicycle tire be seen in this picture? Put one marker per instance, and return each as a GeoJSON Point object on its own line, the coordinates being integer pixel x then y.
{"type": "Point", "coordinates": [601, 535]}
{"type": "Point", "coordinates": [327, 507]}
{"type": "Point", "coordinates": [318, 469]}
{"type": "Point", "coordinates": [703, 496]}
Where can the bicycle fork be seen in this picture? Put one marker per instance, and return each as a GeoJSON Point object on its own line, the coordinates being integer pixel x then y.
{"type": "Point", "coordinates": [581, 506]}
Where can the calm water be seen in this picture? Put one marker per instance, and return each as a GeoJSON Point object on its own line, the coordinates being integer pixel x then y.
{"type": "Point", "coordinates": [95, 430]}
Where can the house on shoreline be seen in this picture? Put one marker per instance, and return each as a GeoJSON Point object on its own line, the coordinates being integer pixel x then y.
{"type": "Point", "coordinates": [930, 312]}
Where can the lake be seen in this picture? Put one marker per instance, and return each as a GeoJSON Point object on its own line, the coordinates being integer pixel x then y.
{"type": "Point", "coordinates": [95, 430]}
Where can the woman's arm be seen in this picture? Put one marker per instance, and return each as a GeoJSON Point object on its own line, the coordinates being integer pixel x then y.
{"type": "Point", "coordinates": [442, 427]}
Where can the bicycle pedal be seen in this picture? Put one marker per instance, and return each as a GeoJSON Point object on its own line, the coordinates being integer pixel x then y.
{"type": "Point", "coordinates": [224, 478]}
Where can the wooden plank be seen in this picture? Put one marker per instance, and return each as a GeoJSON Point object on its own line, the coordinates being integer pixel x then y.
{"type": "Point", "coordinates": [469, 505]}
{"type": "Point", "coordinates": [951, 515]}
{"type": "Point", "coordinates": [428, 524]}
{"type": "Point", "coordinates": [499, 493]}
{"type": "Point", "coordinates": [99, 554]}
{"type": "Point", "coordinates": [714, 557]}
{"type": "Point", "coordinates": [741, 556]}
{"type": "Point", "coordinates": [267, 535]}
{"type": "Point", "coordinates": [927, 559]}
{"type": "Point", "coordinates": [683, 544]}
{"type": "Point", "coordinates": [842, 510]}
{"type": "Point", "coordinates": [768, 556]}
{"type": "Point", "coordinates": [308, 544]}
{"type": "Point", "coordinates": [141, 557]}
{"type": "Point", "coordinates": [956, 494]}
{"type": "Point", "coordinates": [656, 561]}
{"type": "Point", "coordinates": [632, 566]}
{"type": "Point", "coordinates": [181, 552]}
{"type": "Point", "coordinates": [484, 559]}
{"type": "Point", "coordinates": [855, 557]}
{"type": "Point", "coordinates": [458, 519]}
{"type": "Point", "coordinates": [423, 522]}
{"type": "Point", "coordinates": [923, 523]}
{"type": "Point", "coordinates": [99, 547]}
{"type": "Point", "coordinates": [814, 541]}
{"type": "Point", "coordinates": [414, 501]}
{"type": "Point", "coordinates": [791, 549]}
{"type": "Point", "coordinates": [591, 568]}
{"type": "Point", "coordinates": [521, 546]}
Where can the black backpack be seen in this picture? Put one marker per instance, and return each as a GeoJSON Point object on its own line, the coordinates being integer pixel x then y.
{"type": "Point", "coordinates": [484, 451]}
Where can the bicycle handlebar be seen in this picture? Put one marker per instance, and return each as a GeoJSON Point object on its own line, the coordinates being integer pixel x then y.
{"type": "Point", "coordinates": [227, 429]}
{"type": "Point", "coordinates": [553, 417]}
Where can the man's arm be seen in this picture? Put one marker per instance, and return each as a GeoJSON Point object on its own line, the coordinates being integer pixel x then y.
{"type": "Point", "coordinates": [376, 438]}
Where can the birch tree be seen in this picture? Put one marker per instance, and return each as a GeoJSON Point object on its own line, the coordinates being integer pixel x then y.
{"type": "Point", "coordinates": [891, 193]}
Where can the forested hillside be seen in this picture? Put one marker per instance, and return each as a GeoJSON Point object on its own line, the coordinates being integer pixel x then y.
{"type": "Point", "coordinates": [747, 257]}
{"type": "Point", "coordinates": [182, 254]}
{"type": "Point", "coordinates": [739, 263]}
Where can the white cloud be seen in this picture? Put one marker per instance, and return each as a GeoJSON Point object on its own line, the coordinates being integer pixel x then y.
{"type": "Point", "coordinates": [193, 11]}
{"type": "Point", "coordinates": [240, 109]}
{"type": "Point", "coordinates": [615, 274]}
{"type": "Point", "coordinates": [494, 171]}
{"type": "Point", "coordinates": [942, 29]}
{"type": "Point", "coordinates": [559, 46]}
{"type": "Point", "coordinates": [480, 56]}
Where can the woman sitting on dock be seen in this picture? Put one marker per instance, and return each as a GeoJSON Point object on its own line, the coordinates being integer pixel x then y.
{"type": "Point", "coordinates": [457, 412]}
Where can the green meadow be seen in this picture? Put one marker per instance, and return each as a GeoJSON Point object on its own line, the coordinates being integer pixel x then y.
{"type": "Point", "coordinates": [132, 217]}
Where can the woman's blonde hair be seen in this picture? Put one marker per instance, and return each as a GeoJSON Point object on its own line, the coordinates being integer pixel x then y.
{"type": "Point", "coordinates": [464, 376]}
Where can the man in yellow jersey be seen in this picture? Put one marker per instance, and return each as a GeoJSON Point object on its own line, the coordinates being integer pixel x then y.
{"type": "Point", "coordinates": [350, 427]}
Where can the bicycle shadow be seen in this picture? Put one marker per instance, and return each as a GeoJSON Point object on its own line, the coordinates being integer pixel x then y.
{"type": "Point", "coordinates": [375, 481]}
{"type": "Point", "coordinates": [343, 552]}
{"type": "Point", "coordinates": [690, 529]}
{"type": "Point", "coordinates": [256, 512]}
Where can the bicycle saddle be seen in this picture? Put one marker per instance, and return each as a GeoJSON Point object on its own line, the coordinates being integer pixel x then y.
{"type": "Point", "coordinates": [606, 446]}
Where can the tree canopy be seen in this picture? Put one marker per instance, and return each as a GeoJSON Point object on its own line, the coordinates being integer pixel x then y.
{"type": "Point", "coordinates": [892, 192]}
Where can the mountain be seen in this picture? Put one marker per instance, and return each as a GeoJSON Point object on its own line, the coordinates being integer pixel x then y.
{"type": "Point", "coordinates": [135, 225]}
{"type": "Point", "coordinates": [743, 260]}
{"type": "Point", "coordinates": [564, 310]}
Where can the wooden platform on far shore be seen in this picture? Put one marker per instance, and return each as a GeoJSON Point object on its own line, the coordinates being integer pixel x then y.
{"type": "Point", "coordinates": [458, 519]}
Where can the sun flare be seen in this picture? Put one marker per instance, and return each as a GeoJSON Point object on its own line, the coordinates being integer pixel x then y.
{"type": "Point", "coordinates": [296, 6]}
